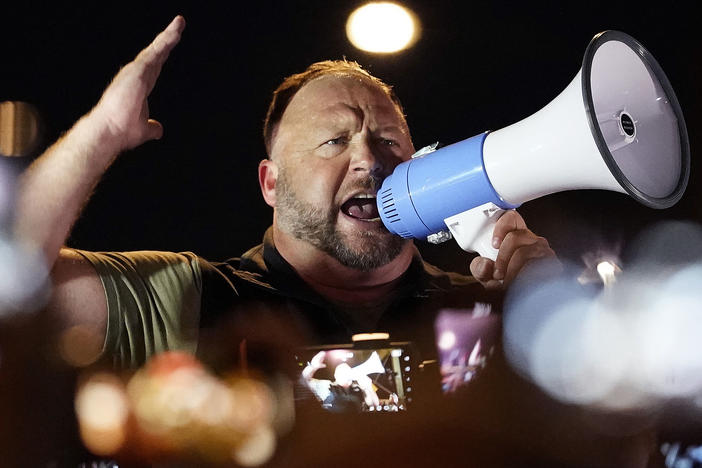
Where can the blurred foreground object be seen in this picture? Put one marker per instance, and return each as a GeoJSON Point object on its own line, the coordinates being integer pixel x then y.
{"type": "Point", "coordinates": [634, 346]}
{"type": "Point", "coordinates": [23, 273]}
{"type": "Point", "coordinates": [19, 128]}
{"type": "Point", "coordinates": [23, 278]}
{"type": "Point", "coordinates": [174, 408]}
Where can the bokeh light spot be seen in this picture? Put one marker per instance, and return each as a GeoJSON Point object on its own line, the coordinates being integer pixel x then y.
{"type": "Point", "coordinates": [102, 409]}
{"type": "Point", "coordinates": [382, 27]}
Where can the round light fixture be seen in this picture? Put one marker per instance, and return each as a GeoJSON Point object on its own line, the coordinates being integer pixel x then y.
{"type": "Point", "coordinates": [382, 27]}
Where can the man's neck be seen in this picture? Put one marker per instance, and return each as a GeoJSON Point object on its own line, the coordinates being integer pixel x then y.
{"type": "Point", "coordinates": [339, 283]}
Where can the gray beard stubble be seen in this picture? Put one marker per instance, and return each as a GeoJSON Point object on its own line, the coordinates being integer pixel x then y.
{"type": "Point", "coordinates": [311, 224]}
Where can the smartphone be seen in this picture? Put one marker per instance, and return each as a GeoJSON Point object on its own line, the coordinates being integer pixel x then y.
{"type": "Point", "coordinates": [465, 339]}
{"type": "Point", "coordinates": [372, 375]}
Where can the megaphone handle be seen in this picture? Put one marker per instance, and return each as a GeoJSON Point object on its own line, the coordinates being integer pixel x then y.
{"type": "Point", "coordinates": [473, 229]}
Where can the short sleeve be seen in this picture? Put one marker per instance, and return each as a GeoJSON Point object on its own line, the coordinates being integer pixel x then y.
{"type": "Point", "coordinates": [153, 303]}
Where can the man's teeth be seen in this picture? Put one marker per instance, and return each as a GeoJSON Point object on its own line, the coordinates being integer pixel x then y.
{"type": "Point", "coordinates": [365, 196]}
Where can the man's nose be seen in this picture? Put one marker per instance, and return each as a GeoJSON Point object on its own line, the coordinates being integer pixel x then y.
{"type": "Point", "coordinates": [368, 158]}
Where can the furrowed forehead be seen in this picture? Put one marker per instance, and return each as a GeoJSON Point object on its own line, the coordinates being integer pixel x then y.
{"type": "Point", "coordinates": [292, 85]}
{"type": "Point", "coordinates": [331, 94]}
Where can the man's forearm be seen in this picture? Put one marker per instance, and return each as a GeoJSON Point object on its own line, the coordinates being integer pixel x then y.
{"type": "Point", "coordinates": [53, 190]}
{"type": "Point", "coordinates": [57, 185]}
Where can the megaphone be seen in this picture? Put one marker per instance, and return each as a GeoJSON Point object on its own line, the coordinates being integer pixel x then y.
{"type": "Point", "coordinates": [617, 126]}
{"type": "Point", "coordinates": [372, 365]}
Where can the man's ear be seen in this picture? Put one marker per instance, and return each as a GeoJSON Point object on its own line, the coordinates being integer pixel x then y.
{"type": "Point", "coordinates": [267, 179]}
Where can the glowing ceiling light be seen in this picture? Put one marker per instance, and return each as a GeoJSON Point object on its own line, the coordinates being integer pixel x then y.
{"type": "Point", "coordinates": [382, 27]}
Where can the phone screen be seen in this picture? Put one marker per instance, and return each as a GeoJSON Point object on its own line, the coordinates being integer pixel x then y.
{"type": "Point", "coordinates": [357, 377]}
{"type": "Point", "coordinates": [465, 338]}
{"type": "Point", "coordinates": [379, 376]}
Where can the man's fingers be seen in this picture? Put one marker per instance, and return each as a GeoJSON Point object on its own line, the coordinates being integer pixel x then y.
{"type": "Point", "coordinates": [154, 130]}
{"type": "Point", "coordinates": [509, 221]}
{"type": "Point", "coordinates": [524, 255]}
{"type": "Point", "coordinates": [517, 246]}
{"type": "Point", "coordinates": [156, 53]}
{"type": "Point", "coordinates": [512, 241]}
{"type": "Point", "coordinates": [481, 268]}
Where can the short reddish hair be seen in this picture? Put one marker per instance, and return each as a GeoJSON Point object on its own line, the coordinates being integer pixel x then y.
{"type": "Point", "coordinates": [292, 84]}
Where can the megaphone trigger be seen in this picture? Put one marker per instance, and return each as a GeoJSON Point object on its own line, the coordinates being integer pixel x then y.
{"type": "Point", "coordinates": [473, 229]}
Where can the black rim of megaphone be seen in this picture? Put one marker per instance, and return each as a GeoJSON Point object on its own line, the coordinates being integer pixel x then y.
{"type": "Point", "coordinates": [653, 65]}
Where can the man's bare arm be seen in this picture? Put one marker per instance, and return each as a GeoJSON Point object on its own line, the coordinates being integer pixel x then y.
{"type": "Point", "coordinates": [78, 300]}
{"type": "Point", "coordinates": [53, 190]}
{"type": "Point", "coordinates": [57, 185]}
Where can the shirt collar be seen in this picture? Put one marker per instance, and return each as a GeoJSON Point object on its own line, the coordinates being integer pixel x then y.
{"type": "Point", "coordinates": [265, 259]}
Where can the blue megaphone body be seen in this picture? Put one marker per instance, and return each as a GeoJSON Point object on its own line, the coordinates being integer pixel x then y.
{"type": "Point", "coordinates": [435, 185]}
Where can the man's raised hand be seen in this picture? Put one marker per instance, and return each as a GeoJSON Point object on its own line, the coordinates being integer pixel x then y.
{"type": "Point", "coordinates": [57, 185]}
{"type": "Point", "coordinates": [122, 114]}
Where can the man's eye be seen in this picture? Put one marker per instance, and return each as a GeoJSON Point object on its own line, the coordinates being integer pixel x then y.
{"type": "Point", "coordinates": [336, 141]}
{"type": "Point", "coordinates": [388, 142]}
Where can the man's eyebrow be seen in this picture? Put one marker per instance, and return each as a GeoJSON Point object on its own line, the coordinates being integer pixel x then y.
{"type": "Point", "coordinates": [391, 127]}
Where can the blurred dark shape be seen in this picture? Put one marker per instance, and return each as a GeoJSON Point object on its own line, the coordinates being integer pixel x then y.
{"type": "Point", "coordinates": [682, 455]}
{"type": "Point", "coordinates": [37, 421]}
{"type": "Point", "coordinates": [23, 273]}
{"type": "Point", "coordinates": [666, 244]}
{"type": "Point", "coordinates": [20, 129]}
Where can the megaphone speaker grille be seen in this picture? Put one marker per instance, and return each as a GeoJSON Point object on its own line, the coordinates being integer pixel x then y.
{"type": "Point", "coordinates": [636, 119]}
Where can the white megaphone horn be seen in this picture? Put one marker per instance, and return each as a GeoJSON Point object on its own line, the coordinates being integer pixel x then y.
{"type": "Point", "coordinates": [372, 365]}
{"type": "Point", "coordinates": [617, 126]}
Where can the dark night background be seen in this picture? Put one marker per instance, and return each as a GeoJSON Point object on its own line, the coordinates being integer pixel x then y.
{"type": "Point", "coordinates": [478, 66]}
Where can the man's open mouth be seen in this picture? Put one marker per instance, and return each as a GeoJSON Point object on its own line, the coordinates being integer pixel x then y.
{"type": "Point", "coordinates": [362, 206]}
